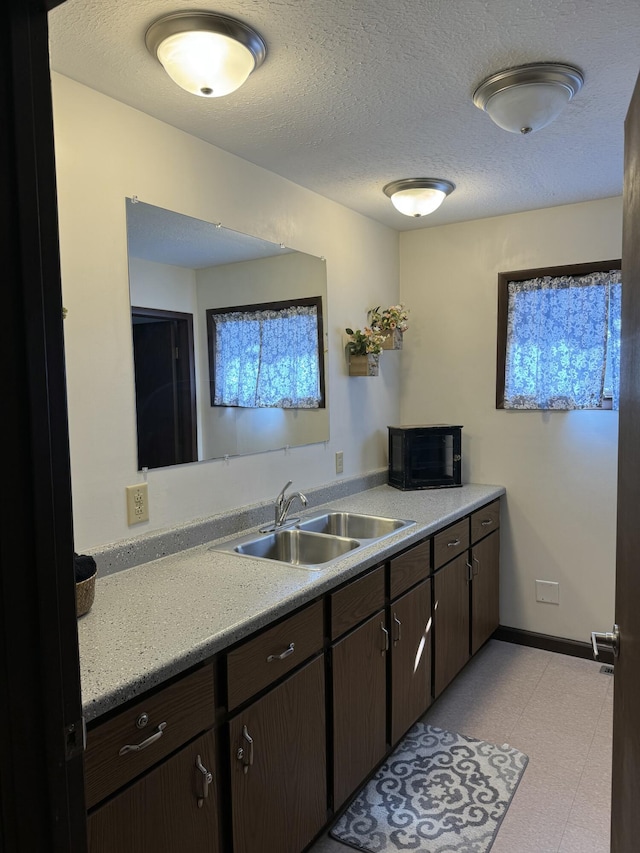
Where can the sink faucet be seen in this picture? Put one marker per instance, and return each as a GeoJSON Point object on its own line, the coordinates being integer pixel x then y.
{"type": "Point", "coordinates": [283, 504]}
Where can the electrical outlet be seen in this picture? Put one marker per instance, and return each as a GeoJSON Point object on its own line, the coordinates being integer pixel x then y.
{"type": "Point", "coordinates": [339, 462]}
{"type": "Point", "coordinates": [548, 592]}
{"type": "Point", "coordinates": [137, 503]}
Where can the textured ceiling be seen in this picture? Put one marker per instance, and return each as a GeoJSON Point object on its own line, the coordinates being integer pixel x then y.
{"type": "Point", "coordinates": [356, 93]}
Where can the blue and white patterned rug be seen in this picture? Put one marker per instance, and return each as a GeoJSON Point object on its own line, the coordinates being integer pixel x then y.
{"type": "Point", "coordinates": [438, 792]}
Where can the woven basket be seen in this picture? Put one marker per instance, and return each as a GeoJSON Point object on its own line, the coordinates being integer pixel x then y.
{"type": "Point", "coordinates": [85, 593]}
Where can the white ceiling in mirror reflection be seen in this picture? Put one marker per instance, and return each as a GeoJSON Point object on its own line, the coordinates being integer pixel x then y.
{"type": "Point", "coordinates": [167, 237]}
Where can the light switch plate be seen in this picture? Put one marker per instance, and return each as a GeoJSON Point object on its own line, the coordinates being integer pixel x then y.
{"type": "Point", "coordinates": [339, 462]}
{"type": "Point", "coordinates": [548, 592]}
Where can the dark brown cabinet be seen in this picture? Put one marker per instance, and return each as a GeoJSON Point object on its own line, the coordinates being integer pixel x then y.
{"type": "Point", "coordinates": [359, 665]}
{"type": "Point", "coordinates": [128, 744]}
{"type": "Point", "coordinates": [380, 636]}
{"type": "Point", "coordinates": [263, 660]}
{"type": "Point", "coordinates": [466, 594]}
{"type": "Point", "coordinates": [410, 627]}
{"type": "Point", "coordinates": [485, 520]}
{"type": "Point", "coordinates": [406, 570]}
{"type": "Point", "coordinates": [485, 589]}
{"type": "Point", "coordinates": [278, 766]}
{"type": "Point", "coordinates": [174, 807]}
{"type": "Point", "coordinates": [451, 620]}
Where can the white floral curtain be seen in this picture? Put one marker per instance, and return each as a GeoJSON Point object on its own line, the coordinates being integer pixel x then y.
{"type": "Point", "coordinates": [560, 331]}
{"type": "Point", "coordinates": [612, 380]}
{"type": "Point", "coordinates": [268, 358]}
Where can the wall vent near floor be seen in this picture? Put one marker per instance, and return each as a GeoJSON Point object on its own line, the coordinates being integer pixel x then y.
{"type": "Point", "coordinates": [608, 670]}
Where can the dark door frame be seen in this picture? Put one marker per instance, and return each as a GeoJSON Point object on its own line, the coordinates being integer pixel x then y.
{"type": "Point", "coordinates": [41, 786]}
{"type": "Point", "coordinates": [184, 381]}
{"type": "Point", "coordinates": [625, 817]}
{"type": "Point", "coordinates": [41, 772]}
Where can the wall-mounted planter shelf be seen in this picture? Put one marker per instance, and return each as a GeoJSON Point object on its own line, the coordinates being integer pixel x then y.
{"type": "Point", "coordinates": [393, 340]}
{"type": "Point", "coordinates": [364, 365]}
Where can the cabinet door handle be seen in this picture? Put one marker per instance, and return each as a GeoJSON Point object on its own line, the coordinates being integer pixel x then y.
{"type": "Point", "coordinates": [476, 560]}
{"type": "Point", "coordinates": [453, 543]}
{"type": "Point", "coordinates": [241, 753]}
{"type": "Point", "coordinates": [136, 747]}
{"type": "Point", "coordinates": [470, 575]}
{"type": "Point", "coordinates": [486, 522]}
{"type": "Point", "coordinates": [386, 638]}
{"type": "Point", "coordinates": [399, 624]}
{"type": "Point", "coordinates": [285, 653]}
{"type": "Point", "coordinates": [207, 779]}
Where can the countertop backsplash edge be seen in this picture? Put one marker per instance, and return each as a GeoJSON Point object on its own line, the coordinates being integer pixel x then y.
{"type": "Point", "coordinates": [128, 553]}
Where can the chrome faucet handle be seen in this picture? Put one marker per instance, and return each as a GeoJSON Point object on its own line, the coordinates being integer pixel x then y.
{"type": "Point", "coordinates": [280, 506]}
{"type": "Point", "coordinates": [280, 498]}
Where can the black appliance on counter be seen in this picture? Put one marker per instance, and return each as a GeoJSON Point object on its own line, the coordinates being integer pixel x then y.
{"type": "Point", "coordinates": [425, 457]}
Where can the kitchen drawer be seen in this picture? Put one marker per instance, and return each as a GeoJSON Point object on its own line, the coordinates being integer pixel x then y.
{"type": "Point", "coordinates": [264, 659]}
{"type": "Point", "coordinates": [175, 715]}
{"type": "Point", "coordinates": [356, 601]}
{"type": "Point", "coordinates": [160, 811]}
{"type": "Point", "coordinates": [484, 520]}
{"type": "Point", "coordinates": [409, 568]}
{"type": "Point", "coordinates": [451, 542]}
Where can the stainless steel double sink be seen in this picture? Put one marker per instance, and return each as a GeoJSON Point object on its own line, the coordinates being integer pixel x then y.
{"type": "Point", "coordinates": [316, 541]}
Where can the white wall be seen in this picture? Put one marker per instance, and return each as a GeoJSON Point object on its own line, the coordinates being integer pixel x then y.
{"type": "Point", "coordinates": [106, 151]}
{"type": "Point", "coordinates": [559, 468]}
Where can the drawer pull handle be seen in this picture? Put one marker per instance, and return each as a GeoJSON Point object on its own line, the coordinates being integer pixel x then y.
{"type": "Point", "coordinates": [486, 522]}
{"type": "Point", "coordinates": [399, 624]}
{"type": "Point", "coordinates": [285, 653]}
{"type": "Point", "coordinates": [453, 543]}
{"type": "Point", "coordinates": [240, 754]}
{"type": "Point", "coordinates": [137, 747]}
{"type": "Point", "coordinates": [207, 779]}
{"type": "Point", "coordinates": [386, 638]}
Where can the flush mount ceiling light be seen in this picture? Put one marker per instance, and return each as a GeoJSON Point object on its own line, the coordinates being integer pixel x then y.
{"type": "Point", "coordinates": [205, 53]}
{"type": "Point", "coordinates": [527, 98]}
{"type": "Point", "coordinates": [418, 196]}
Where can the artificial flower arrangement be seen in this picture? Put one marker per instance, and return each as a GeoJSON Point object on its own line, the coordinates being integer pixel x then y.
{"type": "Point", "coordinates": [365, 342]}
{"type": "Point", "coordinates": [389, 319]}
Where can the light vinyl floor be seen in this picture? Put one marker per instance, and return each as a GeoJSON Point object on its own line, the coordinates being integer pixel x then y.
{"type": "Point", "coordinates": [559, 711]}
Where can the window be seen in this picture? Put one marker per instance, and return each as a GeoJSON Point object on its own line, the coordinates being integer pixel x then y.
{"type": "Point", "coordinates": [267, 356]}
{"type": "Point", "coordinates": [559, 337]}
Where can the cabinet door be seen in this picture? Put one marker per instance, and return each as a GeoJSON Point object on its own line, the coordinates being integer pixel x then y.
{"type": "Point", "coordinates": [161, 813]}
{"type": "Point", "coordinates": [278, 781]}
{"type": "Point", "coordinates": [485, 590]}
{"type": "Point", "coordinates": [410, 658]}
{"type": "Point", "coordinates": [359, 705]}
{"type": "Point", "coordinates": [451, 620]}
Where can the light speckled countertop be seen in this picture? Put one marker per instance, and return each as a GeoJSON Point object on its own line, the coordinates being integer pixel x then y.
{"type": "Point", "coordinates": [152, 622]}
